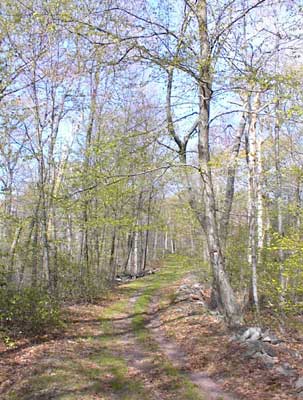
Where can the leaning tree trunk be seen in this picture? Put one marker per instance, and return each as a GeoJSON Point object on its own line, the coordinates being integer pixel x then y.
{"type": "Point", "coordinates": [228, 302]}
{"type": "Point", "coordinates": [206, 215]}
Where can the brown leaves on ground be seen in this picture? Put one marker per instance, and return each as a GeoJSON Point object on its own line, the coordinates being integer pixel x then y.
{"type": "Point", "coordinates": [28, 356]}
{"type": "Point", "coordinates": [201, 335]}
{"type": "Point", "coordinates": [208, 343]}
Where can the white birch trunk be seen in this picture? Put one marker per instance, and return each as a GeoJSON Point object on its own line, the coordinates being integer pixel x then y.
{"type": "Point", "coordinates": [253, 182]}
{"type": "Point", "coordinates": [135, 254]}
{"type": "Point", "coordinates": [260, 208]}
{"type": "Point", "coordinates": [155, 245]}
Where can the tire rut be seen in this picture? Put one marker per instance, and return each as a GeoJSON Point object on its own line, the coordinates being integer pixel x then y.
{"type": "Point", "coordinates": [178, 358]}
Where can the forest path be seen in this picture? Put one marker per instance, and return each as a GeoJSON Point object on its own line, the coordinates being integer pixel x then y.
{"type": "Point", "coordinates": [112, 351]}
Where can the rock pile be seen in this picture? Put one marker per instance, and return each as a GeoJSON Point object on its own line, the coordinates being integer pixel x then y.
{"type": "Point", "coordinates": [258, 344]}
{"type": "Point", "coordinates": [191, 292]}
{"type": "Point", "coordinates": [256, 334]}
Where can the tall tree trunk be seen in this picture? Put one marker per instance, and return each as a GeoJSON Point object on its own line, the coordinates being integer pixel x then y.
{"type": "Point", "coordinates": [253, 181]}
{"type": "Point", "coordinates": [155, 245]}
{"type": "Point", "coordinates": [298, 202]}
{"type": "Point", "coordinates": [166, 242]}
{"type": "Point", "coordinates": [129, 252]}
{"type": "Point", "coordinates": [12, 253]}
{"type": "Point", "coordinates": [225, 293]}
{"type": "Point", "coordinates": [278, 196]}
{"type": "Point", "coordinates": [145, 251]}
{"type": "Point", "coordinates": [231, 174]}
{"type": "Point", "coordinates": [260, 208]}
{"type": "Point", "coordinates": [35, 254]}
{"type": "Point", "coordinates": [135, 264]}
{"type": "Point", "coordinates": [26, 261]}
{"type": "Point", "coordinates": [112, 266]}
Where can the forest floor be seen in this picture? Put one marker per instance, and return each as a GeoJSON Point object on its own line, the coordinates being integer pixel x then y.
{"type": "Point", "coordinates": [141, 343]}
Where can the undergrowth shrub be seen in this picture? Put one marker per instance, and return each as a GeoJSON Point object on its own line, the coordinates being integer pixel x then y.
{"type": "Point", "coordinates": [28, 311]}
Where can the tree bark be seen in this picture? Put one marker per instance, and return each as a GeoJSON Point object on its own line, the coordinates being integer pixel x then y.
{"type": "Point", "coordinates": [278, 195]}
{"type": "Point", "coordinates": [253, 182]}
{"type": "Point", "coordinates": [225, 293]}
{"type": "Point", "coordinates": [230, 184]}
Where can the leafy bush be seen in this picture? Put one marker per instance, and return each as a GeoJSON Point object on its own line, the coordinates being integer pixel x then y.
{"type": "Point", "coordinates": [280, 281]}
{"type": "Point", "coordinates": [30, 311]}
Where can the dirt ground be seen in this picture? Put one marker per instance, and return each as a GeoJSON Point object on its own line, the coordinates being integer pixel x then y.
{"type": "Point", "coordinates": [209, 348]}
{"type": "Point", "coordinates": [142, 344]}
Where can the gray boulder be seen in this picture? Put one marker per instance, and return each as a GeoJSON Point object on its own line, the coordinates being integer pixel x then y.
{"type": "Point", "coordinates": [286, 370]}
{"type": "Point", "coordinates": [251, 334]}
{"type": "Point", "coordinates": [299, 384]}
{"type": "Point", "coordinates": [269, 337]}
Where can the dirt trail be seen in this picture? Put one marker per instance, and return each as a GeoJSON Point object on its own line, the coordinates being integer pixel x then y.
{"type": "Point", "coordinates": [178, 357]}
{"type": "Point", "coordinates": [109, 352]}
{"type": "Point", "coordinates": [142, 359]}
{"type": "Point", "coordinates": [138, 359]}
{"type": "Point", "coordinates": [147, 361]}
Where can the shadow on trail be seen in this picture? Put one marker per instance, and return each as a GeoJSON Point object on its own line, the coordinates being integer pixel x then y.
{"type": "Point", "coordinates": [78, 379]}
{"type": "Point", "coordinates": [149, 315]}
{"type": "Point", "coordinates": [92, 362]}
